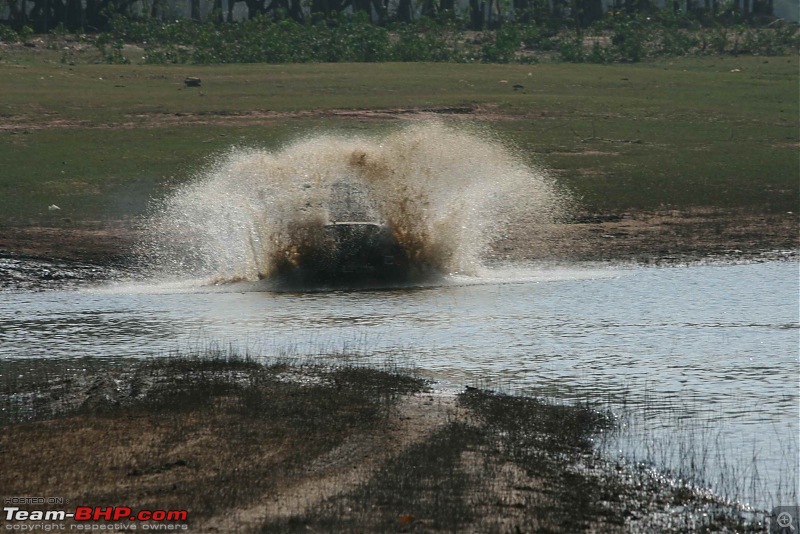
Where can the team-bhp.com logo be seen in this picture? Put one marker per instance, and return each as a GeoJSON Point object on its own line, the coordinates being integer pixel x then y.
{"type": "Point", "coordinates": [93, 517]}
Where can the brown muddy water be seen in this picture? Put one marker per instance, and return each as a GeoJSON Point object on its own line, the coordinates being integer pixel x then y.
{"type": "Point", "coordinates": [444, 194]}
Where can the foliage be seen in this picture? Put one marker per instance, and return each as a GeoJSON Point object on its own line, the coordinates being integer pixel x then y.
{"type": "Point", "coordinates": [427, 40]}
{"type": "Point", "coordinates": [7, 34]}
{"type": "Point", "coordinates": [536, 37]}
{"type": "Point", "coordinates": [619, 36]}
{"type": "Point", "coordinates": [571, 50]}
{"type": "Point", "coordinates": [111, 49]}
{"type": "Point", "coordinates": [633, 38]}
{"type": "Point", "coordinates": [25, 33]}
{"type": "Point", "coordinates": [507, 41]}
{"type": "Point", "coordinates": [773, 42]}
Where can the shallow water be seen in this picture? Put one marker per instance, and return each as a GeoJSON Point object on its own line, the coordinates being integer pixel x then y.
{"type": "Point", "coordinates": [701, 360]}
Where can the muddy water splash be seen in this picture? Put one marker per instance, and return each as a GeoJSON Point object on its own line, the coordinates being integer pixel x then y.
{"type": "Point", "coordinates": [444, 194]}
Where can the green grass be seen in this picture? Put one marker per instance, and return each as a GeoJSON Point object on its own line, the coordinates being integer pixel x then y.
{"type": "Point", "coordinates": [100, 140]}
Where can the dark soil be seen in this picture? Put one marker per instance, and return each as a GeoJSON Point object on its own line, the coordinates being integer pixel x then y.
{"type": "Point", "coordinates": [644, 237]}
{"type": "Point", "coordinates": [666, 237]}
{"type": "Point", "coordinates": [248, 447]}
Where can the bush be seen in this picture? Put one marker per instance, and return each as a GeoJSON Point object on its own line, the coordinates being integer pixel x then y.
{"type": "Point", "coordinates": [571, 50]}
{"type": "Point", "coordinates": [619, 37]}
{"type": "Point", "coordinates": [600, 54]}
{"type": "Point", "coordinates": [426, 40]}
{"type": "Point", "coordinates": [7, 34]}
{"type": "Point", "coordinates": [361, 41]}
{"type": "Point", "coordinates": [770, 42]}
{"type": "Point", "coordinates": [629, 36]}
{"type": "Point", "coordinates": [507, 40]}
{"type": "Point", "coordinates": [111, 49]}
{"type": "Point", "coordinates": [675, 42]}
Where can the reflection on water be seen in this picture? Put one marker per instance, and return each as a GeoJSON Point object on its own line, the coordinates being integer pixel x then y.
{"type": "Point", "coordinates": [716, 344]}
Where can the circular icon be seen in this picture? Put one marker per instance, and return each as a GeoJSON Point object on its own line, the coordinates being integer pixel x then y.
{"type": "Point", "coordinates": [784, 519]}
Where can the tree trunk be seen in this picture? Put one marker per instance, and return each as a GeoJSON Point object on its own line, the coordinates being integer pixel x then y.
{"type": "Point", "coordinates": [428, 9]}
{"type": "Point", "coordinates": [381, 7]}
{"type": "Point", "coordinates": [254, 8]}
{"type": "Point", "coordinates": [52, 12]}
{"type": "Point", "coordinates": [404, 11]}
{"type": "Point", "coordinates": [762, 7]}
{"type": "Point", "coordinates": [74, 13]}
{"type": "Point", "coordinates": [17, 14]}
{"type": "Point", "coordinates": [362, 6]}
{"type": "Point", "coordinates": [522, 10]}
{"type": "Point", "coordinates": [296, 10]}
{"type": "Point", "coordinates": [476, 17]}
{"type": "Point", "coordinates": [590, 11]}
{"type": "Point", "coordinates": [194, 7]}
{"type": "Point", "coordinates": [320, 6]}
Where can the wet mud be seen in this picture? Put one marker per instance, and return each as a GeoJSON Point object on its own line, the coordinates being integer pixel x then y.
{"type": "Point", "coordinates": [34, 257]}
{"type": "Point", "coordinates": [231, 441]}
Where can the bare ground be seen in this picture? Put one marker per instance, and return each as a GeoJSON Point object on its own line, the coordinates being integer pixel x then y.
{"type": "Point", "coordinates": [669, 236]}
{"type": "Point", "coordinates": [23, 123]}
{"type": "Point", "coordinates": [343, 469]}
{"type": "Point", "coordinates": [244, 448]}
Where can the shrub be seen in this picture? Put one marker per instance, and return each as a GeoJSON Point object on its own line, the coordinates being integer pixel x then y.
{"type": "Point", "coordinates": [507, 41]}
{"type": "Point", "coordinates": [426, 40]}
{"type": "Point", "coordinates": [619, 37]}
{"type": "Point", "coordinates": [111, 49]}
{"type": "Point", "coordinates": [571, 50]}
{"type": "Point", "coordinates": [7, 34]}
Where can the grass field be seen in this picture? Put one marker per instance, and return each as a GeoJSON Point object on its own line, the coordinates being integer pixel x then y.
{"type": "Point", "coordinates": [100, 140]}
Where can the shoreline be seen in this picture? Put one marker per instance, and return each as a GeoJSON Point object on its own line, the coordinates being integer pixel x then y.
{"type": "Point", "coordinates": [332, 449]}
{"type": "Point", "coordinates": [643, 237]}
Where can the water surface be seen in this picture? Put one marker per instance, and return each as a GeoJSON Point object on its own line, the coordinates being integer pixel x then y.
{"type": "Point", "coordinates": [705, 357]}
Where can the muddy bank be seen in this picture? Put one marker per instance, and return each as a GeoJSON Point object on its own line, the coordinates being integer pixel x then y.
{"type": "Point", "coordinates": [664, 237]}
{"type": "Point", "coordinates": [100, 243]}
{"type": "Point", "coordinates": [248, 447]}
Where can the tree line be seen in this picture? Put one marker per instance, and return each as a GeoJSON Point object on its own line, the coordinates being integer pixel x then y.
{"type": "Point", "coordinates": [43, 16]}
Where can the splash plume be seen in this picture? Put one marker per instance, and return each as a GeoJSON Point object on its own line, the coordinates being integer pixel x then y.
{"type": "Point", "coordinates": [443, 193]}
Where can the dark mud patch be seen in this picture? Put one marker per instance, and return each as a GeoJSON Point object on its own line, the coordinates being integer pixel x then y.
{"type": "Point", "coordinates": [108, 243]}
{"type": "Point", "coordinates": [23, 123]}
{"type": "Point", "coordinates": [666, 237]}
{"type": "Point", "coordinates": [249, 447]}
{"type": "Point", "coordinates": [35, 257]}
{"type": "Point", "coordinates": [26, 273]}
